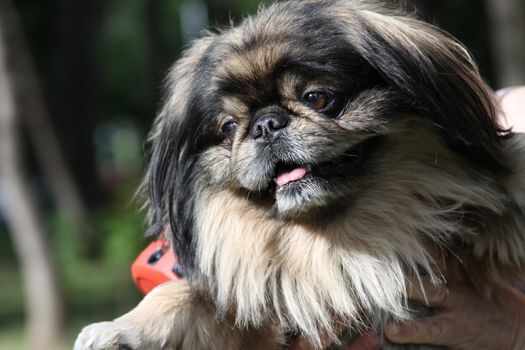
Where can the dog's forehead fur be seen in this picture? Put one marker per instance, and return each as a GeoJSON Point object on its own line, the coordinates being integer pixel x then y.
{"type": "Point", "coordinates": [247, 60]}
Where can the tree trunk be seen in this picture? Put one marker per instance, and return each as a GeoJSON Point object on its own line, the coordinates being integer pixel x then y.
{"type": "Point", "coordinates": [43, 302]}
{"type": "Point", "coordinates": [507, 19]}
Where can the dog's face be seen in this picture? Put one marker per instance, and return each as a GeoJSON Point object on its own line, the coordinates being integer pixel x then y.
{"type": "Point", "coordinates": [293, 107]}
{"type": "Point", "coordinates": [333, 120]}
{"type": "Point", "coordinates": [291, 127]}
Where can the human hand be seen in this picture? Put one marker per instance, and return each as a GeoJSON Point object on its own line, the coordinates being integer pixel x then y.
{"type": "Point", "coordinates": [465, 320]}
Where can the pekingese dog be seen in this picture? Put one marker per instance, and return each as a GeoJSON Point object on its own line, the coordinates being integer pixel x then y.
{"type": "Point", "coordinates": [308, 161]}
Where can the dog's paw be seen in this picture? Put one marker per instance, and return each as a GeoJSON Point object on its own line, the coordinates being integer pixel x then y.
{"type": "Point", "coordinates": [109, 336]}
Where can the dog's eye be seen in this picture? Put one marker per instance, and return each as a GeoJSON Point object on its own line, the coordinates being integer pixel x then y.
{"type": "Point", "coordinates": [228, 128]}
{"type": "Point", "coordinates": [319, 100]}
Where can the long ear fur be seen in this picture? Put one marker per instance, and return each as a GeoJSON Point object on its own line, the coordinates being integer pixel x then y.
{"type": "Point", "coordinates": [173, 141]}
{"type": "Point", "coordinates": [437, 77]}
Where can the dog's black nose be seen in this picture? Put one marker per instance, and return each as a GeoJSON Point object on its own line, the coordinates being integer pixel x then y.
{"type": "Point", "coordinates": [266, 126]}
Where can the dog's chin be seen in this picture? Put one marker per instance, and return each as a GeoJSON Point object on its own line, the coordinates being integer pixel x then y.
{"type": "Point", "coordinates": [310, 193]}
{"type": "Point", "coordinates": [299, 190]}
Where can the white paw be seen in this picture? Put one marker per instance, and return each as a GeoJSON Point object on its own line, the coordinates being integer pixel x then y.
{"type": "Point", "coordinates": [109, 336]}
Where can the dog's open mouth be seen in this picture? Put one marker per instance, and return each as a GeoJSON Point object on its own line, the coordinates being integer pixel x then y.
{"type": "Point", "coordinates": [350, 164]}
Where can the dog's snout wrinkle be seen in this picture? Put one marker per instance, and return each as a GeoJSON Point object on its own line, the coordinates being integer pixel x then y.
{"type": "Point", "coordinates": [268, 125]}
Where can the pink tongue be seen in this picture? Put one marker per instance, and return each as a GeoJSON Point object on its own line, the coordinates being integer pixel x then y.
{"type": "Point", "coordinates": [289, 176]}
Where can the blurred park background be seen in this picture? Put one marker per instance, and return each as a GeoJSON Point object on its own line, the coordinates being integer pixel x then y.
{"type": "Point", "coordinates": [80, 82]}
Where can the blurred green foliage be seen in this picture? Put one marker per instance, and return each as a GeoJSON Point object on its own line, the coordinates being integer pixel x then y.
{"type": "Point", "coordinates": [122, 44]}
{"type": "Point", "coordinates": [94, 289]}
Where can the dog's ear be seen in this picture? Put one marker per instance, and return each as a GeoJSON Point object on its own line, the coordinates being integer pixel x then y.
{"type": "Point", "coordinates": [172, 141]}
{"type": "Point", "coordinates": [437, 77]}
